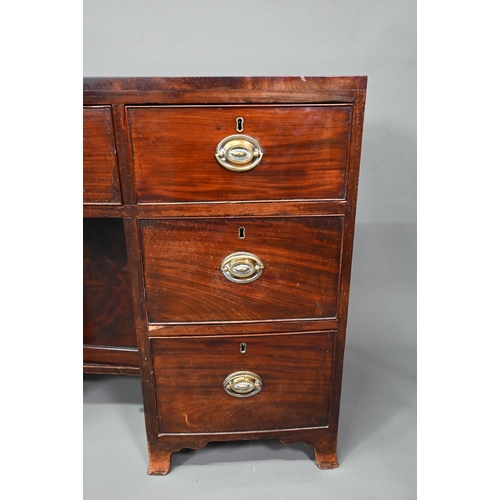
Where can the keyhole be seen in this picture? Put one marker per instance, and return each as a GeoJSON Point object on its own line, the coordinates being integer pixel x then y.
{"type": "Point", "coordinates": [243, 348]}
{"type": "Point", "coordinates": [241, 233]}
{"type": "Point", "coordinates": [239, 124]}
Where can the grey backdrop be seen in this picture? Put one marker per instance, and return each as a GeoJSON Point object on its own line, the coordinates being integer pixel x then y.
{"type": "Point", "coordinates": [377, 434]}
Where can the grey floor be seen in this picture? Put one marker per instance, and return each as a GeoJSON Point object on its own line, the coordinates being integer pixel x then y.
{"type": "Point", "coordinates": [377, 432]}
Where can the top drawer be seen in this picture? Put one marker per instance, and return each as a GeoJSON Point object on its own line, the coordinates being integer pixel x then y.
{"type": "Point", "coordinates": [101, 183]}
{"type": "Point", "coordinates": [305, 152]}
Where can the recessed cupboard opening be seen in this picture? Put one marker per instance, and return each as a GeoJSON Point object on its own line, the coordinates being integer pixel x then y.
{"type": "Point", "coordinates": [108, 317]}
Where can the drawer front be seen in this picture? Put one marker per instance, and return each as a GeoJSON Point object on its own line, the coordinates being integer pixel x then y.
{"type": "Point", "coordinates": [185, 277]}
{"type": "Point", "coordinates": [294, 369]}
{"type": "Point", "coordinates": [100, 171]}
{"type": "Point", "coordinates": [304, 153]}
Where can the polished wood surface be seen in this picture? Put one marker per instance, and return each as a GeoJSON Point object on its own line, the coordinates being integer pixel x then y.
{"type": "Point", "coordinates": [222, 90]}
{"type": "Point", "coordinates": [118, 358]}
{"type": "Point", "coordinates": [242, 327]}
{"type": "Point", "coordinates": [174, 210]}
{"type": "Point", "coordinates": [295, 371]}
{"type": "Point", "coordinates": [108, 320]}
{"type": "Point", "coordinates": [101, 182]}
{"type": "Point", "coordinates": [219, 209]}
{"type": "Point", "coordinates": [182, 261]}
{"type": "Point", "coordinates": [105, 369]}
{"type": "Point", "coordinates": [173, 149]}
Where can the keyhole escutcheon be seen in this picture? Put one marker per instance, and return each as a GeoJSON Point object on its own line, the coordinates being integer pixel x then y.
{"type": "Point", "coordinates": [241, 233]}
{"type": "Point", "coordinates": [243, 348]}
{"type": "Point", "coordinates": [239, 124]}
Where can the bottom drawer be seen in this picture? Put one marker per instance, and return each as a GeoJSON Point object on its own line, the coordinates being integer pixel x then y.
{"type": "Point", "coordinates": [286, 382]}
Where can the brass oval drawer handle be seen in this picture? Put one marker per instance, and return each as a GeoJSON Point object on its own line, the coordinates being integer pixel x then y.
{"type": "Point", "coordinates": [242, 384]}
{"type": "Point", "coordinates": [239, 153]}
{"type": "Point", "coordinates": [242, 267]}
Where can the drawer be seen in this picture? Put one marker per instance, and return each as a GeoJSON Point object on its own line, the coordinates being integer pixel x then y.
{"type": "Point", "coordinates": [186, 280]}
{"type": "Point", "coordinates": [101, 182]}
{"type": "Point", "coordinates": [305, 152]}
{"type": "Point", "coordinates": [294, 373]}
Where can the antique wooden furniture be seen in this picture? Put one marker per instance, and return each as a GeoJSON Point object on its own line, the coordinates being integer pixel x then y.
{"type": "Point", "coordinates": [218, 234]}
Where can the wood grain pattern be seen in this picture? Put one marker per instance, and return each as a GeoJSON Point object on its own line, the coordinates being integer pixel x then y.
{"type": "Point", "coordinates": [222, 90]}
{"type": "Point", "coordinates": [325, 448]}
{"type": "Point", "coordinates": [219, 209]}
{"type": "Point", "coordinates": [323, 442]}
{"type": "Point", "coordinates": [347, 252]}
{"type": "Point", "coordinates": [173, 148]}
{"type": "Point", "coordinates": [108, 318]}
{"type": "Point", "coordinates": [182, 259]}
{"type": "Point", "coordinates": [295, 370]}
{"type": "Point", "coordinates": [106, 369]}
{"type": "Point", "coordinates": [177, 210]}
{"type": "Point", "coordinates": [123, 153]}
{"type": "Point", "coordinates": [161, 453]}
{"type": "Point", "coordinates": [131, 228]}
{"type": "Point", "coordinates": [242, 327]}
{"type": "Point", "coordinates": [101, 182]}
{"type": "Point", "coordinates": [111, 356]}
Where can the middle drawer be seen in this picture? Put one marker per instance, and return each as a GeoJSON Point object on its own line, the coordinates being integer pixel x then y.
{"type": "Point", "coordinates": [241, 269]}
